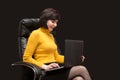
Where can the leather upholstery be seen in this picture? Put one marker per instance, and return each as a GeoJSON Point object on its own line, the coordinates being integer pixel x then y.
{"type": "Point", "coordinates": [29, 71]}
{"type": "Point", "coordinates": [25, 28]}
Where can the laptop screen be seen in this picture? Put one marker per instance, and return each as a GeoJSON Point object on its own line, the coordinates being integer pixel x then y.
{"type": "Point", "coordinates": [73, 52]}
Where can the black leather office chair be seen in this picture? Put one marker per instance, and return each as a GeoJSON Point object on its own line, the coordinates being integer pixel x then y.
{"type": "Point", "coordinates": [31, 71]}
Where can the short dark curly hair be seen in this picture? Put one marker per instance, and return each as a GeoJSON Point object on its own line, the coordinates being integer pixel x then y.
{"type": "Point", "coordinates": [48, 14]}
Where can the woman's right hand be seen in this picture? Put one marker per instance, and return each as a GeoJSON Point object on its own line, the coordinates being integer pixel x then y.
{"type": "Point", "coordinates": [50, 66]}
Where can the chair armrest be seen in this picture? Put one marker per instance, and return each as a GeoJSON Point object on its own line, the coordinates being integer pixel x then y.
{"type": "Point", "coordinates": [37, 71]}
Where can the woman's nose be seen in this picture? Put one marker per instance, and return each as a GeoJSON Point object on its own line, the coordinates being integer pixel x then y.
{"type": "Point", "coordinates": [55, 24]}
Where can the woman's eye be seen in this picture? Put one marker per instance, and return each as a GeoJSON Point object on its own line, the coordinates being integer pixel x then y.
{"type": "Point", "coordinates": [52, 21]}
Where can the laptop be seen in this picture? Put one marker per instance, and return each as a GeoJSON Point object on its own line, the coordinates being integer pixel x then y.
{"type": "Point", "coordinates": [73, 53]}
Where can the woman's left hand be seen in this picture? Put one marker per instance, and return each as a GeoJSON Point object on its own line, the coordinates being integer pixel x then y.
{"type": "Point", "coordinates": [83, 58]}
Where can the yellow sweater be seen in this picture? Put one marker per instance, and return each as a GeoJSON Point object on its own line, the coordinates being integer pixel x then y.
{"type": "Point", "coordinates": [41, 48]}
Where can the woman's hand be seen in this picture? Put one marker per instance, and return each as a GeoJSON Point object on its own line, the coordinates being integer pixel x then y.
{"type": "Point", "coordinates": [54, 65]}
{"type": "Point", "coordinates": [50, 66]}
{"type": "Point", "coordinates": [83, 58]}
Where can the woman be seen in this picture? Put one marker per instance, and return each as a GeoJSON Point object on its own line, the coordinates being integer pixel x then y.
{"type": "Point", "coordinates": [41, 48]}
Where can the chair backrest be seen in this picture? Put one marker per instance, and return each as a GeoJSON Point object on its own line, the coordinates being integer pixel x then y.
{"type": "Point", "coordinates": [26, 26]}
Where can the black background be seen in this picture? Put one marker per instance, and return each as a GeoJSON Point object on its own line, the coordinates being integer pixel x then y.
{"type": "Point", "coordinates": [94, 22]}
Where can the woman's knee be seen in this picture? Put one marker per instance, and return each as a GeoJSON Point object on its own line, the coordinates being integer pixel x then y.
{"type": "Point", "coordinates": [77, 71]}
{"type": "Point", "coordinates": [81, 68]}
{"type": "Point", "coordinates": [78, 78]}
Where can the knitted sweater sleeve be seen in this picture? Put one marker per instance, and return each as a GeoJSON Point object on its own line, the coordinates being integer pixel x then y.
{"type": "Point", "coordinates": [59, 58]}
{"type": "Point", "coordinates": [30, 48]}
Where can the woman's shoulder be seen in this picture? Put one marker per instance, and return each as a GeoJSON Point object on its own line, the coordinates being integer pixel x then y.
{"type": "Point", "coordinates": [40, 31]}
{"type": "Point", "coordinates": [35, 32]}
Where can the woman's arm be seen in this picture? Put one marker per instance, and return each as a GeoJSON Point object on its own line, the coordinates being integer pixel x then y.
{"type": "Point", "coordinates": [59, 58]}
{"type": "Point", "coordinates": [30, 48]}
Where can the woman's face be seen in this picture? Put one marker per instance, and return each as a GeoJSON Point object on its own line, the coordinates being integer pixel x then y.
{"type": "Point", "coordinates": [51, 24]}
